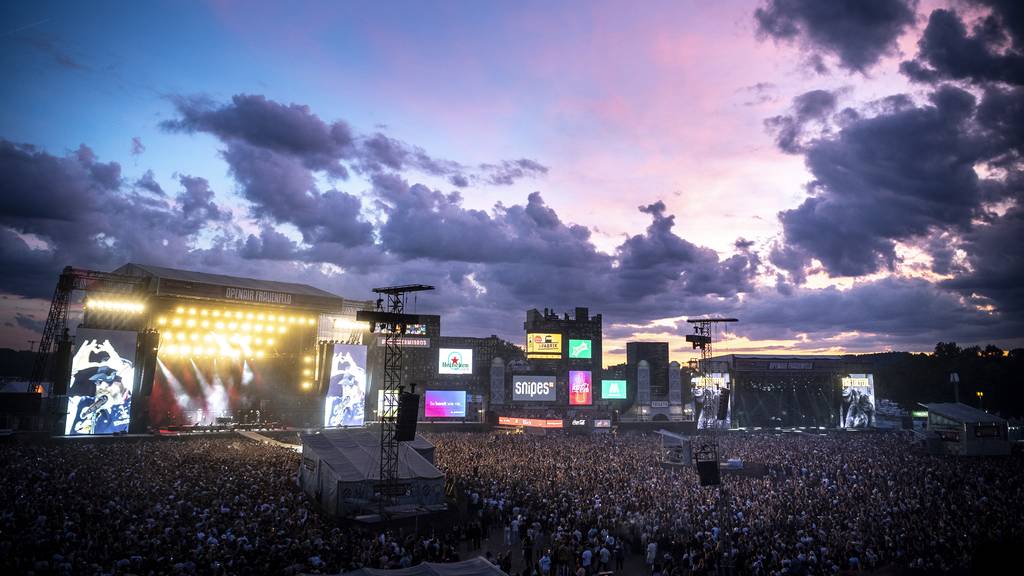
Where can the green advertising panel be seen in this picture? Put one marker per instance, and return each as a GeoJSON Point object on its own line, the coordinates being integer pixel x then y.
{"type": "Point", "coordinates": [613, 389]}
{"type": "Point", "coordinates": [579, 349]}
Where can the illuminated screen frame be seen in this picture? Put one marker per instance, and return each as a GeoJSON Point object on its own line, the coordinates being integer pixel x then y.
{"type": "Point", "coordinates": [433, 400]}
{"type": "Point", "coordinates": [466, 361]}
{"type": "Point", "coordinates": [581, 388]}
{"type": "Point", "coordinates": [102, 382]}
{"type": "Point", "coordinates": [345, 402]}
{"type": "Point", "coordinates": [550, 381]}
{"type": "Point", "coordinates": [606, 385]}
{"type": "Point", "coordinates": [578, 353]}
{"type": "Point", "coordinates": [539, 347]}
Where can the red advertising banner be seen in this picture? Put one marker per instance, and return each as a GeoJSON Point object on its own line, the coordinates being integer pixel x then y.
{"type": "Point", "coordinates": [529, 422]}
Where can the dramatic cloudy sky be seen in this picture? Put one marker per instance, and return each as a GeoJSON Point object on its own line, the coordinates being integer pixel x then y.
{"type": "Point", "coordinates": [841, 176]}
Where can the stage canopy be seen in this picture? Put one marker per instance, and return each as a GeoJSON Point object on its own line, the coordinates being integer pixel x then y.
{"type": "Point", "coordinates": [340, 470]}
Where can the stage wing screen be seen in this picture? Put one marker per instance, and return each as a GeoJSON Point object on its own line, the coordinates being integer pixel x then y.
{"type": "Point", "coordinates": [533, 389]}
{"type": "Point", "coordinates": [858, 401]}
{"type": "Point", "coordinates": [455, 361]}
{"type": "Point", "coordinates": [102, 377]}
{"type": "Point", "coordinates": [346, 392]}
{"type": "Point", "coordinates": [445, 404]}
{"type": "Point", "coordinates": [581, 388]}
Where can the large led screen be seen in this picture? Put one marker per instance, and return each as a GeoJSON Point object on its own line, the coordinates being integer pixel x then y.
{"type": "Point", "coordinates": [445, 404]}
{"type": "Point", "coordinates": [707, 392]}
{"type": "Point", "coordinates": [102, 377]}
{"type": "Point", "coordinates": [455, 361]}
{"type": "Point", "coordinates": [580, 388]}
{"type": "Point", "coordinates": [346, 392]}
{"type": "Point", "coordinates": [544, 346]}
{"type": "Point", "coordinates": [858, 401]}
{"type": "Point", "coordinates": [613, 389]}
{"type": "Point", "coordinates": [533, 389]}
{"type": "Point", "coordinates": [580, 349]}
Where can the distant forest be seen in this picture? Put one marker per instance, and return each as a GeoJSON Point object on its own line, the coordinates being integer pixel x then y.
{"type": "Point", "coordinates": [902, 377]}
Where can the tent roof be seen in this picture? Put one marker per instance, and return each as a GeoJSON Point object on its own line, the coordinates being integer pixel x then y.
{"type": "Point", "coordinates": [472, 567]}
{"type": "Point", "coordinates": [354, 455]}
{"type": "Point", "coordinates": [962, 412]}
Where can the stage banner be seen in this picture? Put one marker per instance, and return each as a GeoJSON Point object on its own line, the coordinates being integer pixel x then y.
{"type": "Point", "coordinates": [346, 393]}
{"type": "Point", "coordinates": [858, 401]}
{"type": "Point", "coordinates": [102, 378]}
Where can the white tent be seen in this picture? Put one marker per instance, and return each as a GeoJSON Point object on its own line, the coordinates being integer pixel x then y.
{"type": "Point", "coordinates": [340, 471]}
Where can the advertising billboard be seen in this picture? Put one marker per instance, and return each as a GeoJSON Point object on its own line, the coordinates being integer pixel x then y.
{"type": "Point", "coordinates": [858, 401]}
{"type": "Point", "coordinates": [528, 422]}
{"type": "Point", "coordinates": [605, 423]}
{"type": "Point", "coordinates": [580, 388]}
{"type": "Point", "coordinates": [346, 391]}
{"type": "Point", "coordinates": [544, 346]}
{"type": "Point", "coordinates": [445, 404]}
{"type": "Point", "coordinates": [580, 349]}
{"type": "Point", "coordinates": [455, 361]}
{"type": "Point", "coordinates": [102, 377]}
{"type": "Point", "coordinates": [613, 389]}
{"type": "Point", "coordinates": [533, 388]}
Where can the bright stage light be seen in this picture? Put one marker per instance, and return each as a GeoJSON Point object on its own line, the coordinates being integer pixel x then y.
{"type": "Point", "coordinates": [259, 353]}
{"type": "Point", "coordinates": [176, 322]}
{"type": "Point", "coordinates": [161, 320]}
{"type": "Point", "coordinates": [307, 359]}
{"type": "Point", "coordinates": [307, 372]}
{"type": "Point", "coordinates": [216, 313]}
{"type": "Point", "coordinates": [306, 385]}
{"type": "Point", "coordinates": [191, 323]}
{"type": "Point", "coordinates": [281, 329]}
{"type": "Point", "coordinates": [204, 324]}
{"type": "Point", "coordinates": [270, 341]}
{"type": "Point", "coordinates": [258, 328]}
{"type": "Point", "coordinates": [123, 306]}
{"type": "Point", "coordinates": [204, 312]}
{"type": "Point", "coordinates": [191, 311]}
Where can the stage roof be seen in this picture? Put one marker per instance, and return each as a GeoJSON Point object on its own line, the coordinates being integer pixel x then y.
{"type": "Point", "coordinates": [204, 285]}
{"type": "Point", "coordinates": [963, 413]}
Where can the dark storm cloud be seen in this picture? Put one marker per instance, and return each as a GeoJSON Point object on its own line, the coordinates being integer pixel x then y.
{"type": "Point", "coordinates": [996, 264]}
{"type": "Point", "coordinates": [293, 131]}
{"type": "Point", "coordinates": [75, 209]}
{"type": "Point", "coordinates": [858, 32]}
{"type": "Point", "coordinates": [809, 108]}
{"type": "Point", "coordinates": [283, 189]}
{"type": "Point", "coordinates": [28, 322]}
{"type": "Point", "coordinates": [148, 182]}
{"type": "Point", "coordinates": [661, 261]}
{"type": "Point", "coordinates": [428, 223]}
{"type": "Point", "coordinates": [506, 173]}
{"type": "Point", "coordinates": [261, 123]}
{"type": "Point", "coordinates": [904, 311]}
{"type": "Point", "coordinates": [883, 179]}
{"type": "Point", "coordinates": [992, 52]}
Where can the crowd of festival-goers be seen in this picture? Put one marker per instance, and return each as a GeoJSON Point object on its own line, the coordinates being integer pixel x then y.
{"type": "Point", "coordinates": [551, 505]}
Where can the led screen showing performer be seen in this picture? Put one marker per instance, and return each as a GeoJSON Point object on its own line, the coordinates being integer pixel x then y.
{"type": "Point", "coordinates": [346, 393]}
{"type": "Point", "coordinates": [707, 392]}
{"type": "Point", "coordinates": [102, 376]}
{"type": "Point", "coordinates": [858, 401]}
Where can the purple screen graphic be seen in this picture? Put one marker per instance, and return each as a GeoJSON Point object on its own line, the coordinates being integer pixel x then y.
{"type": "Point", "coordinates": [445, 404]}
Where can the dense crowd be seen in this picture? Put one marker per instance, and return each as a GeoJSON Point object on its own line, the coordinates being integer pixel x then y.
{"type": "Point", "coordinates": [553, 505]}
{"type": "Point", "coordinates": [190, 506]}
{"type": "Point", "coordinates": [828, 503]}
